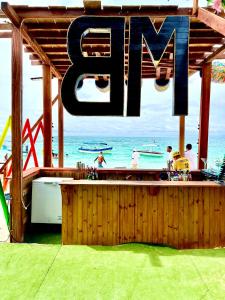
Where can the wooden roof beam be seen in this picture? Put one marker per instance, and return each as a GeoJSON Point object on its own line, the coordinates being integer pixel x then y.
{"type": "Point", "coordinates": [92, 5]}
{"type": "Point", "coordinates": [17, 22]}
{"type": "Point", "coordinates": [6, 26]}
{"type": "Point", "coordinates": [195, 7]}
{"type": "Point", "coordinates": [105, 50]}
{"type": "Point", "coordinates": [212, 20]}
{"type": "Point", "coordinates": [27, 12]}
{"type": "Point", "coordinates": [48, 42]}
{"type": "Point", "coordinates": [215, 54]}
{"type": "Point", "coordinates": [5, 34]}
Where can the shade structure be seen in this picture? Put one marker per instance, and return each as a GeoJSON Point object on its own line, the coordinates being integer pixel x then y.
{"type": "Point", "coordinates": [161, 84]}
{"type": "Point", "coordinates": [218, 72]}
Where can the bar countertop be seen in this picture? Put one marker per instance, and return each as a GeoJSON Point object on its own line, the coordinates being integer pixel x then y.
{"type": "Point", "coordinates": [142, 183]}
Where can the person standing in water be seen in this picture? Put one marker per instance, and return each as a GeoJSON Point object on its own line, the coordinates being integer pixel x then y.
{"type": "Point", "coordinates": [100, 158]}
{"type": "Point", "coordinates": [134, 161]}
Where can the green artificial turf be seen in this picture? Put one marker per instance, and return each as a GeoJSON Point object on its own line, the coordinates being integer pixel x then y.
{"type": "Point", "coordinates": [132, 271]}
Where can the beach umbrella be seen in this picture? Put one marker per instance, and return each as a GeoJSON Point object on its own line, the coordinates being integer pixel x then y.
{"type": "Point", "coordinates": [161, 84]}
{"type": "Point", "coordinates": [218, 72]}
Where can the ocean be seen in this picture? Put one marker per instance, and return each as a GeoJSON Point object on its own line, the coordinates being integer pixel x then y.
{"type": "Point", "coordinates": [120, 155]}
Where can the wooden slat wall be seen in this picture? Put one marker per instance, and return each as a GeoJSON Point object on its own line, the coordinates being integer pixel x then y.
{"type": "Point", "coordinates": [181, 217]}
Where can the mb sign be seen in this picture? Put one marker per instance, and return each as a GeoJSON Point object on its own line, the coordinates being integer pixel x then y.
{"type": "Point", "coordinates": [156, 42]}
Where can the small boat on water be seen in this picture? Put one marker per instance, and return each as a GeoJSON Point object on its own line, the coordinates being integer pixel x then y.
{"type": "Point", "coordinates": [152, 150]}
{"type": "Point", "coordinates": [92, 147]}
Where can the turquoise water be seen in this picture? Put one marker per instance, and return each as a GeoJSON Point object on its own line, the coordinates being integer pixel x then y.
{"type": "Point", "coordinates": [122, 150]}
{"type": "Point", "coordinates": [123, 147]}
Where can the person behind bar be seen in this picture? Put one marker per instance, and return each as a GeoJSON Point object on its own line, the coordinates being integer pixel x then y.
{"type": "Point", "coordinates": [180, 163]}
{"type": "Point", "coordinates": [169, 159]}
{"type": "Point", "coordinates": [169, 153]}
{"type": "Point", "coordinates": [134, 159]}
{"type": "Point", "coordinates": [191, 156]}
{"type": "Point", "coordinates": [100, 159]}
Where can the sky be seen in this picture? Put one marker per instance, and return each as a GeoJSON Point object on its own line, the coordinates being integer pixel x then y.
{"type": "Point", "coordinates": [156, 107]}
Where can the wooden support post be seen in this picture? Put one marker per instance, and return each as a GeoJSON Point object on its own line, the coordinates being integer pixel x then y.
{"type": "Point", "coordinates": [204, 114]}
{"type": "Point", "coordinates": [181, 135]}
{"type": "Point", "coordinates": [17, 228]}
{"type": "Point", "coordinates": [195, 7]}
{"type": "Point", "coordinates": [60, 127]}
{"type": "Point", "coordinates": [47, 116]}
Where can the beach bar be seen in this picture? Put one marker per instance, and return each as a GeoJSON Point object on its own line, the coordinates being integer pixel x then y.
{"type": "Point", "coordinates": [123, 205]}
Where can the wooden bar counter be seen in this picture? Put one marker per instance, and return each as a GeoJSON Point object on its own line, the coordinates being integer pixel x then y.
{"type": "Point", "coordinates": [110, 212]}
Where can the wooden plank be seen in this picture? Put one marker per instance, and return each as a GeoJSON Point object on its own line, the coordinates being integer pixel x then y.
{"type": "Point", "coordinates": [160, 221]}
{"type": "Point", "coordinates": [92, 5]}
{"type": "Point", "coordinates": [90, 215]}
{"type": "Point", "coordinates": [5, 26]}
{"type": "Point", "coordinates": [181, 197]}
{"type": "Point", "coordinates": [5, 35]}
{"type": "Point", "coordinates": [110, 204]}
{"type": "Point", "coordinates": [201, 218]}
{"type": "Point", "coordinates": [85, 214]}
{"type": "Point", "coordinates": [17, 22]}
{"type": "Point", "coordinates": [69, 216]}
{"type": "Point", "coordinates": [125, 214]}
{"type": "Point", "coordinates": [145, 225]}
{"type": "Point", "coordinates": [181, 134]}
{"type": "Point", "coordinates": [222, 218]}
{"type": "Point", "coordinates": [215, 54]}
{"type": "Point", "coordinates": [206, 218]}
{"type": "Point", "coordinates": [211, 218]}
{"type": "Point", "coordinates": [195, 7]}
{"type": "Point", "coordinates": [154, 183]}
{"type": "Point", "coordinates": [80, 215]}
{"type": "Point", "coordinates": [212, 20]}
{"type": "Point", "coordinates": [175, 217]}
{"type": "Point", "coordinates": [38, 13]}
{"type": "Point", "coordinates": [104, 216]}
{"type": "Point", "coordinates": [94, 216]}
{"type": "Point", "coordinates": [75, 215]}
{"type": "Point", "coordinates": [99, 215]}
{"type": "Point", "coordinates": [138, 214]}
{"type": "Point", "coordinates": [47, 116]}
{"type": "Point", "coordinates": [60, 127]}
{"type": "Point", "coordinates": [115, 216]}
{"type": "Point", "coordinates": [195, 217]}
{"type": "Point", "coordinates": [204, 114]}
{"type": "Point", "coordinates": [186, 220]}
{"type": "Point", "coordinates": [154, 217]}
{"type": "Point", "coordinates": [122, 226]}
{"type": "Point", "coordinates": [217, 211]}
{"type": "Point", "coordinates": [165, 215]}
{"type": "Point", "coordinates": [170, 215]}
{"type": "Point", "coordinates": [17, 230]}
{"type": "Point", "coordinates": [190, 218]}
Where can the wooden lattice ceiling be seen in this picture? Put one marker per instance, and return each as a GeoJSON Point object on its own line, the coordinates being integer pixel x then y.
{"type": "Point", "coordinates": [44, 30]}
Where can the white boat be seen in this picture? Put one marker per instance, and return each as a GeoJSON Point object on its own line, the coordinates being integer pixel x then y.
{"type": "Point", "coordinates": [152, 150]}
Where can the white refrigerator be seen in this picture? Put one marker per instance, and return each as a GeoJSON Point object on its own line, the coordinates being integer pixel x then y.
{"type": "Point", "coordinates": [46, 204]}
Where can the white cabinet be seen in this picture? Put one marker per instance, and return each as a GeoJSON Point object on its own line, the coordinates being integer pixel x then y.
{"type": "Point", "coordinates": [46, 206]}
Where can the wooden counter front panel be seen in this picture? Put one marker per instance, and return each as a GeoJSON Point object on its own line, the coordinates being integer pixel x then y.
{"type": "Point", "coordinates": [182, 217]}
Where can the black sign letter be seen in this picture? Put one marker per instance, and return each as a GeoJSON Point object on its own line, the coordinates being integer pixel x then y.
{"type": "Point", "coordinates": [113, 65]}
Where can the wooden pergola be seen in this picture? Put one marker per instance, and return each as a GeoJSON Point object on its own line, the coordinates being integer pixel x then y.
{"type": "Point", "coordinates": [43, 32]}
